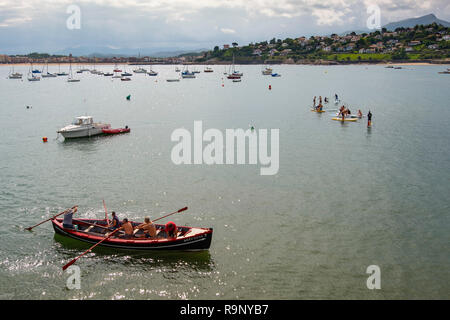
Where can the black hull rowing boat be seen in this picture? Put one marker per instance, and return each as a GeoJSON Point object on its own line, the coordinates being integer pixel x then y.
{"type": "Point", "coordinates": [92, 231]}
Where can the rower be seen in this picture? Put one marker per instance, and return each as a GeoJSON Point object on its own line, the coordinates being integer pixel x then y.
{"type": "Point", "coordinates": [148, 227]}
{"type": "Point", "coordinates": [128, 228]}
{"type": "Point", "coordinates": [171, 229]}
{"type": "Point", "coordinates": [67, 222]}
{"type": "Point", "coordinates": [115, 223]}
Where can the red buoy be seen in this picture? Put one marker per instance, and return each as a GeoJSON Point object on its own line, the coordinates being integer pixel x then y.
{"type": "Point", "coordinates": [270, 87]}
{"type": "Point", "coordinates": [44, 139]}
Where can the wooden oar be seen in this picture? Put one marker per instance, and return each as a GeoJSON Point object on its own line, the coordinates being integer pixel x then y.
{"type": "Point", "coordinates": [29, 228]}
{"type": "Point", "coordinates": [106, 212]}
{"type": "Point", "coordinates": [73, 261]}
{"type": "Point", "coordinates": [182, 209]}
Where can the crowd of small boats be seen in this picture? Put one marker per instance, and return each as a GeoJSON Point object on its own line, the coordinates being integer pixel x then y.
{"type": "Point", "coordinates": [117, 73]}
{"type": "Point", "coordinates": [342, 114]}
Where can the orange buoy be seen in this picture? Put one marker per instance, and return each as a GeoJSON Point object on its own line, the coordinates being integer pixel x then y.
{"type": "Point", "coordinates": [44, 139]}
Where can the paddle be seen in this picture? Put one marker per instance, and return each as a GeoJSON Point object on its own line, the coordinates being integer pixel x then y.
{"type": "Point", "coordinates": [73, 261]}
{"type": "Point", "coordinates": [106, 212]}
{"type": "Point", "coordinates": [29, 228]}
{"type": "Point", "coordinates": [181, 210]}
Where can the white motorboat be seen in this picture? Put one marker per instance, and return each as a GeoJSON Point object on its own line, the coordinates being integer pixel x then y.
{"type": "Point", "coordinates": [267, 72]}
{"type": "Point", "coordinates": [140, 70]}
{"type": "Point", "coordinates": [83, 126]}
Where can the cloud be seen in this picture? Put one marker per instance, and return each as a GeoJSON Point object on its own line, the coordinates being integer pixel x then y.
{"type": "Point", "coordinates": [134, 23]}
{"type": "Point", "coordinates": [228, 31]}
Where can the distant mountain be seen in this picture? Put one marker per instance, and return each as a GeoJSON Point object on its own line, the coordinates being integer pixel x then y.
{"type": "Point", "coordinates": [410, 23]}
{"type": "Point", "coordinates": [407, 23]}
{"type": "Point", "coordinates": [106, 52]}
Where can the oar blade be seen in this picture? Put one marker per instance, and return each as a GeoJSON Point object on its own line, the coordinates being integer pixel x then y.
{"type": "Point", "coordinates": [182, 209]}
{"type": "Point", "coordinates": [69, 264]}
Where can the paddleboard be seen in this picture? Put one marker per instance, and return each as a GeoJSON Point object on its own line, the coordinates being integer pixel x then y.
{"type": "Point", "coordinates": [317, 110]}
{"type": "Point", "coordinates": [345, 119]}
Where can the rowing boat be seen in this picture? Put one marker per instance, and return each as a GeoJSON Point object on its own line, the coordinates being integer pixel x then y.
{"type": "Point", "coordinates": [92, 231]}
{"type": "Point", "coordinates": [116, 131]}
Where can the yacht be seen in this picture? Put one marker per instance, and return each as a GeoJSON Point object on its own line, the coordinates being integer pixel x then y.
{"type": "Point", "coordinates": [48, 74]}
{"type": "Point", "coordinates": [34, 78]}
{"type": "Point", "coordinates": [83, 126]}
{"type": "Point", "coordinates": [267, 71]}
{"type": "Point", "coordinates": [14, 75]}
{"type": "Point", "coordinates": [71, 78]}
{"type": "Point", "coordinates": [140, 70]}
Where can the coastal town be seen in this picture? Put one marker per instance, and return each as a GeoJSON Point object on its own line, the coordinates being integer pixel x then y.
{"type": "Point", "coordinates": [430, 43]}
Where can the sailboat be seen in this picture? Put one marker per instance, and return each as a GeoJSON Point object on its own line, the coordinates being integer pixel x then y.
{"type": "Point", "coordinates": [235, 74]}
{"type": "Point", "coordinates": [59, 71]}
{"type": "Point", "coordinates": [152, 73]}
{"type": "Point", "coordinates": [71, 78]}
{"type": "Point", "coordinates": [116, 68]}
{"type": "Point", "coordinates": [31, 76]}
{"type": "Point", "coordinates": [14, 75]}
{"type": "Point", "coordinates": [48, 74]}
{"type": "Point", "coordinates": [188, 75]}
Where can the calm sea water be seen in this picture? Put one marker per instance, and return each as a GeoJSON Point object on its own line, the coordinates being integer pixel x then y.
{"type": "Point", "coordinates": [345, 197]}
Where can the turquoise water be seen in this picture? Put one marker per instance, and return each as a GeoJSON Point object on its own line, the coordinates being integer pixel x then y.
{"type": "Point", "coordinates": [345, 196]}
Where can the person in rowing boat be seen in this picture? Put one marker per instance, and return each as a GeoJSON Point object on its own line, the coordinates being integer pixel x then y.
{"type": "Point", "coordinates": [128, 228]}
{"type": "Point", "coordinates": [320, 106]}
{"type": "Point", "coordinates": [115, 223]}
{"type": "Point", "coordinates": [67, 222]}
{"type": "Point", "coordinates": [314, 102]}
{"type": "Point", "coordinates": [148, 227]}
{"type": "Point", "coordinates": [325, 100]}
{"type": "Point", "coordinates": [171, 229]}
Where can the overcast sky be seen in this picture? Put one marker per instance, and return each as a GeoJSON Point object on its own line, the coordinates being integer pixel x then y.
{"type": "Point", "coordinates": [40, 25]}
